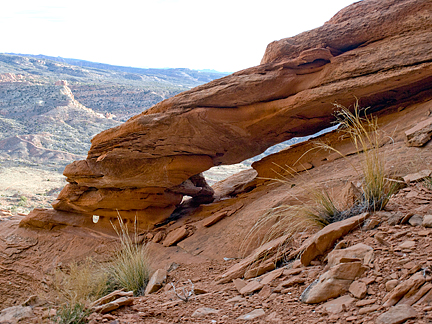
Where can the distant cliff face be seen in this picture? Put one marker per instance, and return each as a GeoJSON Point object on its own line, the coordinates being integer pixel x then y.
{"type": "Point", "coordinates": [50, 110]}
{"type": "Point", "coordinates": [42, 123]}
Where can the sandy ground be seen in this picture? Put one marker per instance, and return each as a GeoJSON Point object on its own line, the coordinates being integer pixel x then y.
{"type": "Point", "coordinates": [22, 188]}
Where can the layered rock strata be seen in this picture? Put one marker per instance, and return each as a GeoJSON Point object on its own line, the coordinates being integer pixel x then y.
{"type": "Point", "coordinates": [377, 51]}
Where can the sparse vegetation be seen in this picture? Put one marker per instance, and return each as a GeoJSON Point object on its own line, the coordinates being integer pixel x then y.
{"type": "Point", "coordinates": [130, 269]}
{"type": "Point", "coordinates": [78, 285]}
{"type": "Point", "coordinates": [72, 314]}
{"type": "Point", "coordinates": [363, 131]}
{"type": "Point", "coordinates": [321, 210]}
{"type": "Point", "coordinates": [428, 183]}
{"type": "Point", "coordinates": [23, 201]}
{"type": "Point", "coordinates": [81, 282]}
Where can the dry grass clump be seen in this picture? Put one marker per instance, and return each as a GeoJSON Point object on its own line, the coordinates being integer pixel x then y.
{"type": "Point", "coordinates": [130, 269]}
{"type": "Point", "coordinates": [78, 285]}
{"type": "Point", "coordinates": [82, 283]}
{"type": "Point", "coordinates": [376, 188]}
{"type": "Point", "coordinates": [72, 314]}
{"type": "Point", "coordinates": [363, 131]}
{"type": "Point", "coordinates": [284, 220]}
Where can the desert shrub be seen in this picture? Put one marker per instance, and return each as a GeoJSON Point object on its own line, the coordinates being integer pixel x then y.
{"type": "Point", "coordinates": [23, 201]}
{"type": "Point", "coordinates": [130, 269]}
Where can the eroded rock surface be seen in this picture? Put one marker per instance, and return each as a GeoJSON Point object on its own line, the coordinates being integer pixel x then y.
{"type": "Point", "coordinates": [377, 51]}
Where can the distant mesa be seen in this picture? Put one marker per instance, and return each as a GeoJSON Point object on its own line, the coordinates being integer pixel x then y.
{"type": "Point", "coordinates": [61, 83]}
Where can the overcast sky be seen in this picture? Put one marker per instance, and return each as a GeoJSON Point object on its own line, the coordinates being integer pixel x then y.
{"type": "Point", "coordinates": [225, 35]}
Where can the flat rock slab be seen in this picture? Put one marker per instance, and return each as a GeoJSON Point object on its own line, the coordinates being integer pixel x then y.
{"type": "Point", "coordinates": [410, 285]}
{"type": "Point", "coordinates": [414, 177]}
{"type": "Point", "coordinates": [397, 314]}
{"type": "Point", "coordinates": [251, 287]}
{"type": "Point", "coordinates": [175, 236]}
{"type": "Point", "coordinates": [420, 134]}
{"type": "Point", "coordinates": [204, 311]}
{"type": "Point", "coordinates": [15, 313]}
{"type": "Point", "coordinates": [156, 281]}
{"type": "Point", "coordinates": [338, 305]}
{"type": "Point", "coordinates": [115, 304]}
{"type": "Point", "coordinates": [252, 315]}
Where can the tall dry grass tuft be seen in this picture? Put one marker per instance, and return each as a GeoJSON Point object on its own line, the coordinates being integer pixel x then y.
{"type": "Point", "coordinates": [81, 282]}
{"type": "Point", "coordinates": [363, 131]}
{"type": "Point", "coordinates": [130, 269]}
{"type": "Point", "coordinates": [78, 285]}
{"type": "Point", "coordinates": [321, 210]}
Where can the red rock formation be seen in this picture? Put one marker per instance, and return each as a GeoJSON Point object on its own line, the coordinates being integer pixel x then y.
{"type": "Point", "coordinates": [377, 51]}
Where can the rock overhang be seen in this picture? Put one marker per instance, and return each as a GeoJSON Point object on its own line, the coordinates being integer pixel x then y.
{"type": "Point", "coordinates": [377, 51]}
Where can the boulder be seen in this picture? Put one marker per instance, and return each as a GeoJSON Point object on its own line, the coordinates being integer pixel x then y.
{"type": "Point", "coordinates": [362, 252]}
{"type": "Point", "coordinates": [325, 238]}
{"type": "Point", "coordinates": [156, 281]}
{"type": "Point", "coordinates": [332, 283]}
{"type": "Point", "coordinates": [397, 314]}
{"type": "Point", "coordinates": [420, 134]}
{"type": "Point", "coordinates": [416, 220]}
{"type": "Point", "coordinates": [358, 289]}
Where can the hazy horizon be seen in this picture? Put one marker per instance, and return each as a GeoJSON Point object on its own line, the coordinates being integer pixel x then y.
{"type": "Point", "coordinates": [225, 36]}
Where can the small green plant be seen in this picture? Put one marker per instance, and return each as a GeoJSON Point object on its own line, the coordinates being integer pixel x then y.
{"type": "Point", "coordinates": [427, 182]}
{"type": "Point", "coordinates": [130, 269]}
{"type": "Point", "coordinates": [23, 201]}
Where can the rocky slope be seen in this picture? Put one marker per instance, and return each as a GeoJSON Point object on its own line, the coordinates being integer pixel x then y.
{"type": "Point", "coordinates": [379, 51]}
